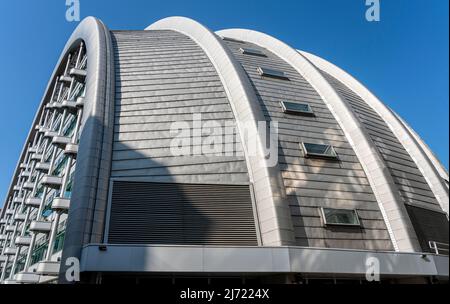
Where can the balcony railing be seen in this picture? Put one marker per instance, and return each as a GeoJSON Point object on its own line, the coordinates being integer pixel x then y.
{"type": "Point", "coordinates": [439, 248]}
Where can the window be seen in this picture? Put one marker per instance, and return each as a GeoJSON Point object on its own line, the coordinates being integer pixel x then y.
{"type": "Point", "coordinates": [59, 241]}
{"type": "Point", "coordinates": [319, 151]}
{"type": "Point", "coordinates": [266, 72]}
{"type": "Point", "coordinates": [39, 192]}
{"type": "Point", "coordinates": [232, 40]}
{"type": "Point", "coordinates": [253, 52]}
{"type": "Point", "coordinates": [48, 206]}
{"type": "Point", "coordinates": [68, 192]}
{"type": "Point", "coordinates": [60, 165]}
{"type": "Point", "coordinates": [296, 108]}
{"type": "Point", "coordinates": [68, 131]}
{"type": "Point", "coordinates": [345, 217]}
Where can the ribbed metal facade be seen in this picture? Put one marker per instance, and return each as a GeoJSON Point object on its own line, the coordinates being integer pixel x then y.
{"type": "Point", "coordinates": [409, 180]}
{"type": "Point", "coordinates": [313, 183]}
{"type": "Point", "coordinates": [164, 77]}
{"type": "Point", "coordinates": [204, 212]}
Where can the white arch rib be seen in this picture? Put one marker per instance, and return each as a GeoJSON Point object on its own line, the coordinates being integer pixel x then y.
{"type": "Point", "coordinates": [436, 162]}
{"type": "Point", "coordinates": [429, 168]}
{"type": "Point", "coordinates": [394, 212]}
{"type": "Point", "coordinates": [88, 31]}
{"type": "Point", "coordinates": [273, 213]}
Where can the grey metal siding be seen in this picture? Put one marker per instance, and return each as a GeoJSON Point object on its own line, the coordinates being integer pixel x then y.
{"type": "Point", "coordinates": [312, 183]}
{"type": "Point", "coordinates": [164, 77]}
{"type": "Point", "coordinates": [183, 214]}
{"type": "Point", "coordinates": [409, 180]}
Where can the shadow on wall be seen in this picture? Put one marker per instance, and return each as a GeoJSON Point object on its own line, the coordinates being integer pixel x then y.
{"type": "Point", "coordinates": [309, 229]}
{"type": "Point", "coordinates": [146, 209]}
{"type": "Point", "coordinates": [150, 204]}
{"type": "Point", "coordinates": [151, 208]}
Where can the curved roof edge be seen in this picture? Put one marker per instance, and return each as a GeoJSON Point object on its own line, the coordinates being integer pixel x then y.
{"type": "Point", "coordinates": [436, 162]}
{"type": "Point", "coordinates": [275, 223]}
{"type": "Point", "coordinates": [429, 168]}
{"type": "Point", "coordinates": [85, 27]}
{"type": "Point", "coordinates": [93, 160]}
{"type": "Point", "coordinates": [398, 223]}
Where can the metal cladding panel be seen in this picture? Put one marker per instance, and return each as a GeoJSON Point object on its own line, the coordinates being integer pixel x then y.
{"type": "Point", "coordinates": [164, 77]}
{"type": "Point", "coordinates": [429, 226]}
{"type": "Point", "coordinates": [183, 214]}
{"type": "Point", "coordinates": [313, 183]}
{"type": "Point", "coordinates": [409, 180]}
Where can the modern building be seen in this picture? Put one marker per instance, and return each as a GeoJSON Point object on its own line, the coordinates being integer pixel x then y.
{"type": "Point", "coordinates": [353, 189]}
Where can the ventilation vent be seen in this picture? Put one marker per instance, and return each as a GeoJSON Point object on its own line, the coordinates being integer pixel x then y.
{"type": "Point", "coordinates": [182, 214]}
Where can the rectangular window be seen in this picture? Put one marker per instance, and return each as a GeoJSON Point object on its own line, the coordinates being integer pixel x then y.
{"type": "Point", "coordinates": [232, 40]}
{"type": "Point", "coordinates": [297, 108]}
{"type": "Point", "coordinates": [254, 52]}
{"type": "Point", "coordinates": [68, 130]}
{"type": "Point", "coordinates": [60, 165]}
{"type": "Point", "coordinates": [266, 72]}
{"type": "Point", "coordinates": [39, 192]}
{"type": "Point", "coordinates": [344, 217]}
{"type": "Point", "coordinates": [319, 151]}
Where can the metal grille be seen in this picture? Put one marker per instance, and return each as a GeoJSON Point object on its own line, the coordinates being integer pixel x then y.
{"type": "Point", "coordinates": [185, 214]}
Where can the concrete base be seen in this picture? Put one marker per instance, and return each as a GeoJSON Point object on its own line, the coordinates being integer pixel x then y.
{"type": "Point", "coordinates": [259, 260]}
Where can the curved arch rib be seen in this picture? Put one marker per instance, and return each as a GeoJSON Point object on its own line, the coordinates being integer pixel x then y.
{"type": "Point", "coordinates": [274, 219]}
{"type": "Point", "coordinates": [85, 220]}
{"type": "Point", "coordinates": [437, 164]}
{"type": "Point", "coordinates": [394, 212]}
{"type": "Point", "coordinates": [425, 164]}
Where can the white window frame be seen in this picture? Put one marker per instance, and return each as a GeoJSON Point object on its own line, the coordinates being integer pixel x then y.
{"type": "Point", "coordinates": [297, 112]}
{"type": "Point", "coordinates": [272, 73]}
{"type": "Point", "coordinates": [334, 155]}
{"type": "Point", "coordinates": [324, 218]}
{"type": "Point", "coordinates": [252, 52]}
{"type": "Point", "coordinates": [232, 40]}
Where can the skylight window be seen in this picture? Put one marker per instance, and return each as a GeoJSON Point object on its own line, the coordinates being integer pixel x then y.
{"type": "Point", "coordinates": [296, 108]}
{"type": "Point", "coordinates": [341, 217]}
{"type": "Point", "coordinates": [319, 151]}
{"type": "Point", "coordinates": [254, 52]}
{"type": "Point", "coordinates": [266, 72]}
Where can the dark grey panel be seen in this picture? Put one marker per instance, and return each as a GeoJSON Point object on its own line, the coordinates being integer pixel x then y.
{"type": "Point", "coordinates": [429, 226]}
{"type": "Point", "coordinates": [188, 214]}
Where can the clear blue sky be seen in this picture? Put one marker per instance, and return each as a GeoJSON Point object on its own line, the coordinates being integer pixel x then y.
{"type": "Point", "coordinates": [403, 59]}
